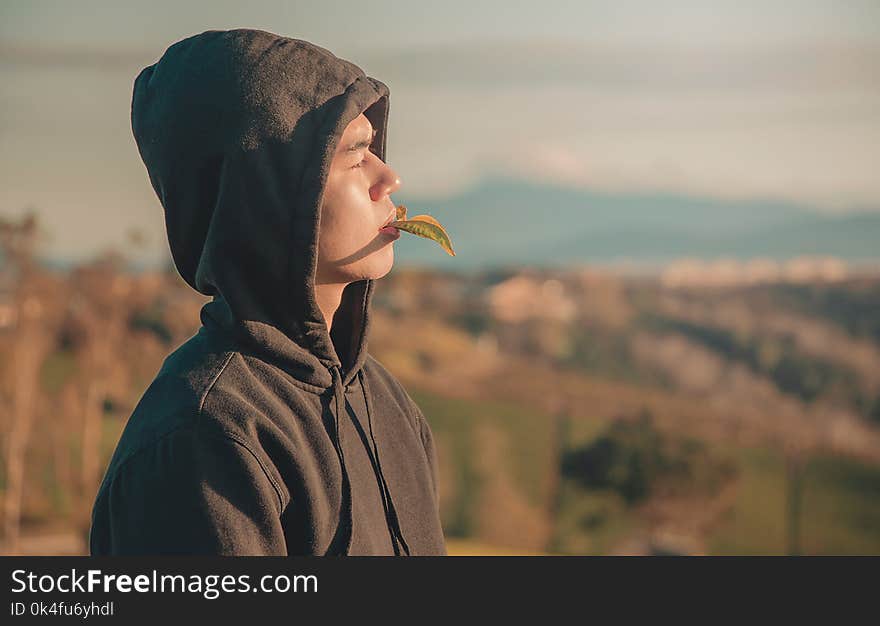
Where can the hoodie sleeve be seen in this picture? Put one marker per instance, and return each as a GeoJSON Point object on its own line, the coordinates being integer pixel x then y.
{"type": "Point", "coordinates": [430, 452]}
{"type": "Point", "coordinates": [194, 491]}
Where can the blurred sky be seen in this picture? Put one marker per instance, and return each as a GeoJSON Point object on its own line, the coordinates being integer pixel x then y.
{"type": "Point", "coordinates": [769, 99]}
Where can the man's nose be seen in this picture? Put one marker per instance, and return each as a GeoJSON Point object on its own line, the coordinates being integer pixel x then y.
{"type": "Point", "coordinates": [387, 184]}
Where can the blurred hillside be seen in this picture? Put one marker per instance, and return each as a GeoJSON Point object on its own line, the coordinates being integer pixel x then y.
{"type": "Point", "coordinates": [712, 408]}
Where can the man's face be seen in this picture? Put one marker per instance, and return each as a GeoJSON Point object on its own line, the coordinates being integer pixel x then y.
{"type": "Point", "coordinates": [357, 201]}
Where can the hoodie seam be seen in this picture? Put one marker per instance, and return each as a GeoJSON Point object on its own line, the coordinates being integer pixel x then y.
{"type": "Point", "coordinates": [244, 444]}
{"type": "Point", "coordinates": [210, 386]}
{"type": "Point", "coordinates": [113, 471]}
{"type": "Point", "coordinates": [237, 438]}
{"type": "Point", "coordinates": [421, 424]}
{"type": "Point", "coordinates": [220, 433]}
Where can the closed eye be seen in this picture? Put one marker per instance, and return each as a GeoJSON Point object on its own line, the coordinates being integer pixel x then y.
{"type": "Point", "coordinates": [362, 161]}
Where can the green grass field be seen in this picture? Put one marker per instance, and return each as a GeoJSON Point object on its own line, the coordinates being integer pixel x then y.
{"type": "Point", "coordinates": [840, 509]}
{"type": "Point", "coordinates": [840, 505]}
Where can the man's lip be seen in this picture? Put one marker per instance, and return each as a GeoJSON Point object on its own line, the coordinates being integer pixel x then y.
{"type": "Point", "coordinates": [389, 220]}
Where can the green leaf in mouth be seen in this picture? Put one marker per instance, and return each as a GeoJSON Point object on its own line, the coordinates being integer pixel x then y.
{"type": "Point", "coordinates": [423, 226]}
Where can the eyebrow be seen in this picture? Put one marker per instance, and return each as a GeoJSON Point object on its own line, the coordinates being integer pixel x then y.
{"type": "Point", "coordinates": [363, 143]}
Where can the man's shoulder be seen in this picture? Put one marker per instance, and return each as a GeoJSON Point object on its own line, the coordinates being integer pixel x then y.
{"type": "Point", "coordinates": [174, 397]}
{"type": "Point", "coordinates": [208, 397]}
{"type": "Point", "coordinates": [384, 384]}
{"type": "Point", "coordinates": [373, 364]}
{"type": "Point", "coordinates": [377, 370]}
{"type": "Point", "coordinates": [210, 380]}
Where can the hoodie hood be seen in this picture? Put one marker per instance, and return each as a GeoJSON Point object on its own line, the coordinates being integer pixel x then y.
{"type": "Point", "coordinates": [237, 130]}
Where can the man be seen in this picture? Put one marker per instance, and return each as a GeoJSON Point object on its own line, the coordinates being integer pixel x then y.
{"type": "Point", "coordinates": [271, 431]}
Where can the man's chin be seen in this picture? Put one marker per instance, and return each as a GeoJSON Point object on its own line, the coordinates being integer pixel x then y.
{"type": "Point", "coordinates": [380, 264]}
{"type": "Point", "coordinates": [383, 268]}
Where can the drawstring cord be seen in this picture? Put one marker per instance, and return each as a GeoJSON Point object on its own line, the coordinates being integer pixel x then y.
{"type": "Point", "coordinates": [345, 521]}
{"type": "Point", "coordinates": [390, 511]}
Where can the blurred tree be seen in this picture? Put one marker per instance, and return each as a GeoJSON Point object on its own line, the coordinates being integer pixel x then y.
{"type": "Point", "coordinates": [102, 288]}
{"type": "Point", "coordinates": [559, 406]}
{"type": "Point", "coordinates": [633, 458]}
{"type": "Point", "coordinates": [32, 297]}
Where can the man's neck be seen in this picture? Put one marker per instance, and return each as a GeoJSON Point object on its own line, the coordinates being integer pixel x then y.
{"type": "Point", "coordinates": [329, 297]}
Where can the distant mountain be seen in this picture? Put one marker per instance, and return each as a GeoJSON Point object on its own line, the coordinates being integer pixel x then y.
{"type": "Point", "coordinates": [503, 221]}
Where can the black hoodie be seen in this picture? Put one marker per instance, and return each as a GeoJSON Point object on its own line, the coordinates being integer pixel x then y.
{"type": "Point", "coordinates": [263, 434]}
